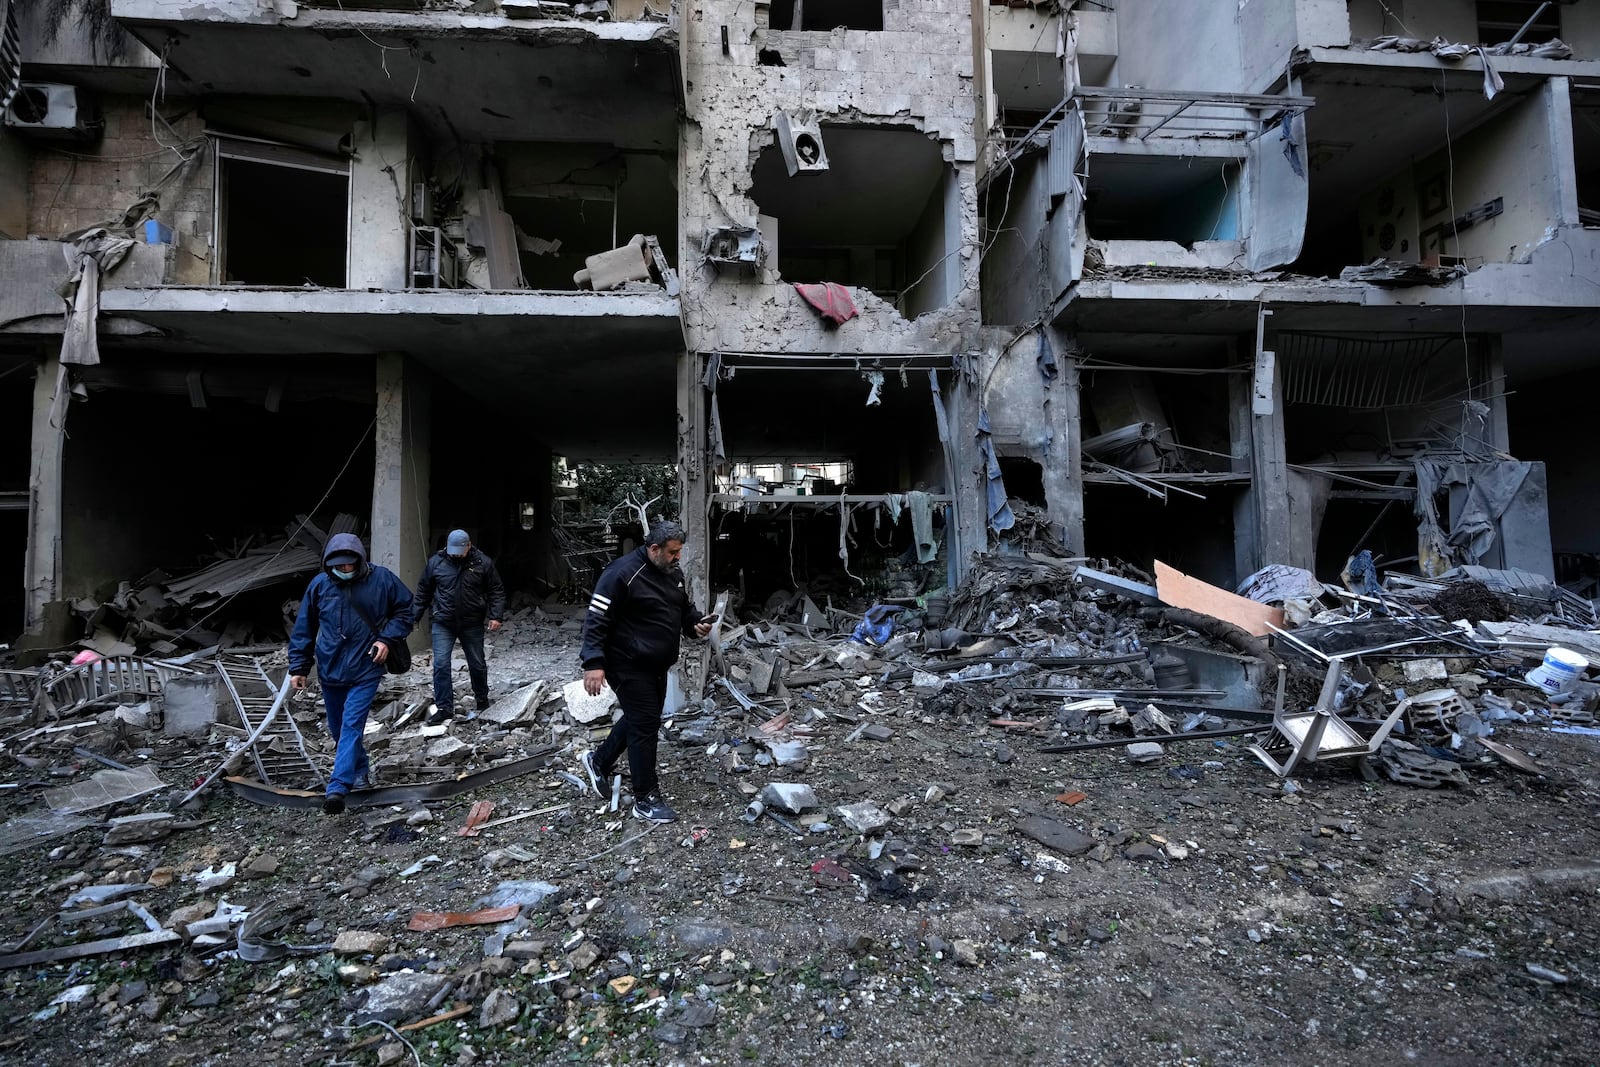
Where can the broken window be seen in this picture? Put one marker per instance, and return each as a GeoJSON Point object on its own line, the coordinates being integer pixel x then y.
{"type": "Point", "coordinates": [884, 215]}
{"type": "Point", "coordinates": [826, 15]}
{"type": "Point", "coordinates": [573, 201]}
{"type": "Point", "coordinates": [1499, 20]}
{"type": "Point", "coordinates": [283, 215]}
{"type": "Point", "coordinates": [1162, 198]}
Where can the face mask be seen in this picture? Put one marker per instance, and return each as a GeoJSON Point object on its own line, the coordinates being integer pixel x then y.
{"type": "Point", "coordinates": [341, 575]}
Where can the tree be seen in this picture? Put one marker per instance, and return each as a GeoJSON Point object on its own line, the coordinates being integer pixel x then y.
{"type": "Point", "coordinates": [604, 487]}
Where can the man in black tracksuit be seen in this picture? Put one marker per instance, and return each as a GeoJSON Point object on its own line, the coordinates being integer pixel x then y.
{"type": "Point", "coordinates": [630, 640]}
{"type": "Point", "coordinates": [464, 590]}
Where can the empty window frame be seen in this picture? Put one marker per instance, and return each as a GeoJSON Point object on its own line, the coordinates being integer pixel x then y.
{"type": "Point", "coordinates": [1499, 20]}
{"type": "Point", "coordinates": [884, 216]}
{"type": "Point", "coordinates": [826, 15]}
{"type": "Point", "coordinates": [1162, 198]}
{"type": "Point", "coordinates": [283, 215]}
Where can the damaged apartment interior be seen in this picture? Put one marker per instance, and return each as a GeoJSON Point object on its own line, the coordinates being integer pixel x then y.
{"type": "Point", "coordinates": [820, 259]}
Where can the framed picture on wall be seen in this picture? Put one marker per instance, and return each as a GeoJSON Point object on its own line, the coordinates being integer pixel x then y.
{"type": "Point", "coordinates": [1432, 197]}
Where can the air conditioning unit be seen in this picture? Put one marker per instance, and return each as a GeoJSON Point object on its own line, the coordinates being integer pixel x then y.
{"type": "Point", "coordinates": [49, 109]}
{"type": "Point", "coordinates": [800, 139]}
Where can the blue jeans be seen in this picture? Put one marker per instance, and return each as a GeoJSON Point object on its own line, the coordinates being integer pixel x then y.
{"type": "Point", "coordinates": [444, 640]}
{"type": "Point", "coordinates": [347, 718]}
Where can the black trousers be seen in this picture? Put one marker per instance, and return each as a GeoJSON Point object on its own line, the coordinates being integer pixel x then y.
{"type": "Point", "coordinates": [641, 695]}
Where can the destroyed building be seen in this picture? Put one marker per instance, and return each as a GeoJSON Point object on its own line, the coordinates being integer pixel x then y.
{"type": "Point", "coordinates": [1272, 282]}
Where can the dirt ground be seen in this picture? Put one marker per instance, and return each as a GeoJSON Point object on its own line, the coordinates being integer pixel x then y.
{"type": "Point", "coordinates": [1218, 915]}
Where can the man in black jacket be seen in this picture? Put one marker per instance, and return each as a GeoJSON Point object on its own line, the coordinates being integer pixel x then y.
{"type": "Point", "coordinates": [630, 640]}
{"type": "Point", "coordinates": [463, 588]}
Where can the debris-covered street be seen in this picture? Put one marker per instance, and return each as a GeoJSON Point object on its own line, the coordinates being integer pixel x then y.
{"type": "Point", "coordinates": [876, 857]}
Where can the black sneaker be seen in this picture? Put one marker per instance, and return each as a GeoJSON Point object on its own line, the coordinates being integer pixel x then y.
{"type": "Point", "coordinates": [481, 702]}
{"type": "Point", "coordinates": [586, 761]}
{"type": "Point", "coordinates": [440, 717]}
{"type": "Point", "coordinates": [653, 809]}
{"type": "Point", "coordinates": [333, 804]}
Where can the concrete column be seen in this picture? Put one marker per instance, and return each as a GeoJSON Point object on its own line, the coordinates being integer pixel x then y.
{"type": "Point", "coordinates": [42, 567]}
{"type": "Point", "coordinates": [1063, 471]}
{"type": "Point", "coordinates": [400, 469]}
{"type": "Point", "coordinates": [379, 202]}
{"type": "Point", "coordinates": [971, 484]}
{"type": "Point", "coordinates": [1268, 463]}
{"type": "Point", "coordinates": [694, 477]}
{"type": "Point", "coordinates": [1240, 449]}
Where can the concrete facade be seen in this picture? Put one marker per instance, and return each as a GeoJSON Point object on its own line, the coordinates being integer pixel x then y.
{"type": "Point", "coordinates": [1282, 432]}
{"type": "Point", "coordinates": [1059, 224]}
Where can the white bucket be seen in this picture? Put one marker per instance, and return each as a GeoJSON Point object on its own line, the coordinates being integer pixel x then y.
{"type": "Point", "coordinates": [1560, 670]}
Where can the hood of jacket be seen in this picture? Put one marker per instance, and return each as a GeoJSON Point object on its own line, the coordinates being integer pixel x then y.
{"type": "Point", "coordinates": [345, 542]}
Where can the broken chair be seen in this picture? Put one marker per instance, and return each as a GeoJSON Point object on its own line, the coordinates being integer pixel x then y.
{"type": "Point", "coordinates": [1317, 734]}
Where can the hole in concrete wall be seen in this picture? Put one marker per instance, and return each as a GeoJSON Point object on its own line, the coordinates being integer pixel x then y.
{"type": "Point", "coordinates": [282, 224]}
{"type": "Point", "coordinates": [1024, 479]}
{"type": "Point", "coordinates": [1195, 536]}
{"type": "Point", "coordinates": [589, 197]}
{"type": "Point", "coordinates": [1149, 421]}
{"type": "Point", "coordinates": [122, 526]}
{"type": "Point", "coordinates": [1356, 519]}
{"type": "Point", "coordinates": [826, 14]}
{"type": "Point", "coordinates": [884, 216]}
{"type": "Point", "coordinates": [769, 57]}
{"type": "Point", "coordinates": [1160, 198]}
{"type": "Point", "coordinates": [1378, 401]}
{"type": "Point", "coordinates": [797, 440]}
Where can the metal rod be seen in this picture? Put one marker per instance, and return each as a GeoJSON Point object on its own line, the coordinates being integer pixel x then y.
{"type": "Point", "coordinates": [1180, 110]}
{"type": "Point", "coordinates": [1526, 26]}
{"type": "Point", "coordinates": [1201, 735]}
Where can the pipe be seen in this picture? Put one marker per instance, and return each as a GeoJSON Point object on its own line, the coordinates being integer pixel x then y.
{"type": "Point", "coordinates": [1200, 735]}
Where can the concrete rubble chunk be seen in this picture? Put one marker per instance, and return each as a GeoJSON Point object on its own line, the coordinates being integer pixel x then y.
{"type": "Point", "coordinates": [877, 732]}
{"type": "Point", "coordinates": [448, 750]}
{"type": "Point", "coordinates": [1056, 835]}
{"type": "Point", "coordinates": [137, 829]}
{"type": "Point", "coordinates": [863, 817]}
{"type": "Point", "coordinates": [790, 797]}
{"type": "Point", "coordinates": [518, 707]}
{"type": "Point", "coordinates": [500, 1007]}
{"type": "Point", "coordinates": [789, 753]}
{"type": "Point", "coordinates": [584, 708]}
{"type": "Point", "coordinates": [400, 996]}
{"type": "Point", "coordinates": [965, 952]}
{"type": "Point", "coordinates": [361, 943]}
{"type": "Point", "coordinates": [1144, 751]}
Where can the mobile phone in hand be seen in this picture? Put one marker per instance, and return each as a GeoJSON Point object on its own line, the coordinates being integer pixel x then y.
{"type": "Point", "coordinates": [707, 620]}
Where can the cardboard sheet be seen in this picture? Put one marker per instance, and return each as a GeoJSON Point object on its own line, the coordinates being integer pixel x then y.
{"type": "Point", "coordinates": [1178, 590]}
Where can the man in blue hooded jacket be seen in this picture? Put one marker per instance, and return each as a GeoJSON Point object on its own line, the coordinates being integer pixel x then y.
{"type": "Point", "coordinates": [351, 614]}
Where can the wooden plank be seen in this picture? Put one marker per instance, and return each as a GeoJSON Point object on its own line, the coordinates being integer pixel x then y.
{"type": "Point", "coordinates": [1181, 591]}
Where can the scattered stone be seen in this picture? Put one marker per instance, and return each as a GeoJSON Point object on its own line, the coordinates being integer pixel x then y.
{"type": "Point", "coordinates": [789, 753]}
{"type": "Point", "coordinates": [864, 817]}
{"type": "Point", "coordinates": [357, 973]}
{"type": "Point", "coordinates": [698, 1014]}
{"type": "Point", "coordinates": [1545, 974]}
{"type": "Point", "coordinates": [583, 957]}
{"type": "Point", "coordinates": [965, 952]}
{"type": "Point", "coordinates": [970, 838]}
{"type": "Point", "coordinates": [153, 1008]}
{"type": "Point", "coordinates": [1141, 850]}
{"type": "Point", "coordinates": [1144, 751]}
{"type": "Point", "coordinates": [390, 1053]}
{"type": "Point", "coordinates": [190, 913]}
{"type": "Point", "coordinates": [1098, 934]}
{"type": "Point", "coordinates": [361, 943]}
{"type": "Point", "coordinates": [937, 945]}
{"type": "Point", "coordinates": [1176, 851]}
{"type": "Point", "coordinates": [790, 797]}
{"type": "Point", "coordinates": [1003, 754]}
{"type": "Point", "coordinates": [1072, 796]}
{"type": "Point", "coordinates": [448, 750]}
{"type": "Point", "coordinates": [420, 817]}
{"type": "Point", "coordinates": [162, 877]}
{"type": "Point", "coordinates": [877, 732]}
{"type": "Point", "coordinates": [899, 806]}
{"type": "Point", "coordinates": [1056, 835]}
{"type": "Point", "coordinates": [499, 1009]}
{"type": "Point", "coordinates": [262, 866]}
{"type": "Point", "coordinates": [400, 996]}
{"type": "Point", "coordinates": [138, 829]}
{"type": "Point", "coordinates": [131, 991]}
{"type": "Point", "coordinates": [623, 985]}
{"type": "Point", "coordinates": [671, 1034]}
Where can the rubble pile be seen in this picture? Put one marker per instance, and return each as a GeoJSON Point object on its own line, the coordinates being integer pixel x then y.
{"type": "Point", "coordinates": [890, 809]}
